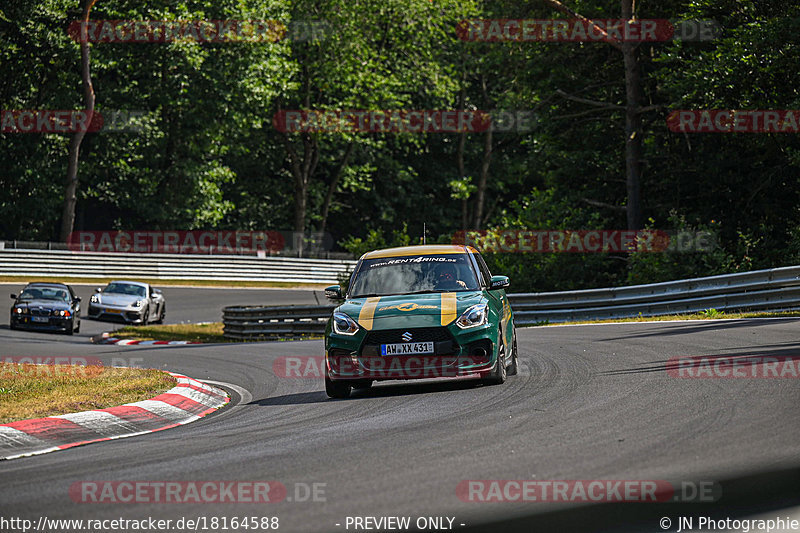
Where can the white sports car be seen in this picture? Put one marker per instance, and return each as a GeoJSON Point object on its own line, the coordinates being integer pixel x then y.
{"type": "Point", "coordinates": [131, 302]}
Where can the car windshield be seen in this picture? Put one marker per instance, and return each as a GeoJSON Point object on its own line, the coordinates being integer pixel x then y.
{"type": "Point", "coordinates": [125, 288]}
{"type": "Point", "coordinates": [414, 274]}
{"type": "Point", "coordinates": [44, 293]}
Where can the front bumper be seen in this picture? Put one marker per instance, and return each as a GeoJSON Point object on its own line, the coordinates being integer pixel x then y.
{"type": "Point", "coordinates": [116, 314]}
{"type": "Point", "coordinates": [457, 353]}
{"type": "Point", "coordinates": [54, 323]}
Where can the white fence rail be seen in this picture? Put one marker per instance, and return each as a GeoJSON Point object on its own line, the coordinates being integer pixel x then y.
{"type": "Point", "coordinates": [774, 289]}
{"type": "Point", "coordinates": [66, 264]}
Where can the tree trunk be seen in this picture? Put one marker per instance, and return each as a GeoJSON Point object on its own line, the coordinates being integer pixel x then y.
{"type": "Point", "coordinates": [462, 140]}
{"type": "Point", "coordinates": [71, 182]}
{"type": "Point", "coordinates": [337, 176]}
{"type": "Point", "coordinates": [480, 193]}
{"type": "Point", "coordinates": [633, 126]}
{"type": "Point", "coordinates": [634, 96]}
{"type": "Point", "coordinates": [460, 164]}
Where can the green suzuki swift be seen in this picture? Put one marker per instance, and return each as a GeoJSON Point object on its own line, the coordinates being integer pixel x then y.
{"type": "Point", "coordinates": [419, 312]}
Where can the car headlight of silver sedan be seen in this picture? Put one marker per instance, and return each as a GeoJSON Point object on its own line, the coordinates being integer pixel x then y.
{"type": "Point", "coordinates": [95, 299]}
{"type": "Point", "coordinates": [138, 303]}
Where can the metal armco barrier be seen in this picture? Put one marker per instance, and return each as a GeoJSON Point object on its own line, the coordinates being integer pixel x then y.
{"type": "Point", "coordinates": [761, 290]}
{"type": "Point", "coordinates": [274, 322]}
{"type": "Point", "coordinates": [62, 264]}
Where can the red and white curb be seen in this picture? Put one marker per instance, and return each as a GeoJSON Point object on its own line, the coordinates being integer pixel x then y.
{"type": "Point", "coordinates": [106, 338]}
{"type": "Point", "coordinates": [134, 342]}
{"type": "Point", "coordinates": [188, 401]}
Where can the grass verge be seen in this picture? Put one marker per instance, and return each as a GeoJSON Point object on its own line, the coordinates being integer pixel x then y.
{"type": "Point", "coordinates": [709, 314]}
{"type": "Point", "coordinates": [173, 332]}
{"type": "Point", "coordinates": [171, 282]}
{"type": "Point", "coordinates": [36, 391]}
{"type": "Point", "coordinates": [208, 333]}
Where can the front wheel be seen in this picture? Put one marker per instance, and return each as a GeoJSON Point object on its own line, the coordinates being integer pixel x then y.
{"type": "Point", "coordinates": [71, 328]}
{"type": "Point", "coordinates": [161, 314]}
{"type": "Point", "coordinates": [336, 389]}
{"type": "Point", "coordinates": [513, 368]}
{"type": "Point", "coordinates": [498, 375]}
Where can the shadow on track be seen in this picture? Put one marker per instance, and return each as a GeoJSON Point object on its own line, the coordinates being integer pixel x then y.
{"type": "Point", "coordinates": [742, 497]}
{"type": "Point", "coordinates": [379, 391]}
{"type": "Point", "coordinates": [670, 328]}
{"type": "Point", "coordinates": [741, 355]}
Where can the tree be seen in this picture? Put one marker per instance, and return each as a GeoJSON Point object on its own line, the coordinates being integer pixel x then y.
{"type": "Point", "coordinates": [70, 190]}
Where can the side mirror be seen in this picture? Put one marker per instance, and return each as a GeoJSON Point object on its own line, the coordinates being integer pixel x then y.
{"type": "Point", "coordinates": [77, 298]}
{"type": "Point", "coordinates": [156, 292]}
{"type": "Point", "coordinates": [499, 282]}
{"type": "Point", "coordinates": [98, 289]}
{"type": "Point", "coordinates": [334, 292]}
{"type": "Point", "coordinates": [13, 296]}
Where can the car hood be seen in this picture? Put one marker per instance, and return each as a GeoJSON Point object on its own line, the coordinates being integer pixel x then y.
{"type": "Point", "coordinates": [410, 311]}
{"type": "Point", "coordinates": [122, 300]}
{"type": "Point", "coordinates": [47, 304]}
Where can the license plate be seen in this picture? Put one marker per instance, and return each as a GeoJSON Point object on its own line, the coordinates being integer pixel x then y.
{"type": "Point", "coordinates": [40, 319]}
{"type": "Point", "coordinates": [114, 311]}
{"type": "Point", "coordinates": [406, 348]}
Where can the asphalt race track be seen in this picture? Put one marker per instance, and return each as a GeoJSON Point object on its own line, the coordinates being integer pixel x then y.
{"type": "Point", "coordinates": [590, 403]}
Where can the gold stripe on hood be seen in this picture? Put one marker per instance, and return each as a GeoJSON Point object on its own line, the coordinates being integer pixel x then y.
{"type": "Point", "coordinates": [368, 312]}
{"type": "Point", "coordinates": [448, 307]}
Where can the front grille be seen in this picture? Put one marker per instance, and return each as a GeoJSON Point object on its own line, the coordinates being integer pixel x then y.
{"type": "Point", "coordinates": [392, 336]}
{"type": "Point", "coordinates": [39, 312]}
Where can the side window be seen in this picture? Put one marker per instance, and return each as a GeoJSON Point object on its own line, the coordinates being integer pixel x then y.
{"type": "Point", "coordinates": [484, 270]}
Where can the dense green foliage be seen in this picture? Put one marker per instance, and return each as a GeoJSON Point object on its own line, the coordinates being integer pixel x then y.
{"type": "Point", "coordinates": [208, 156]}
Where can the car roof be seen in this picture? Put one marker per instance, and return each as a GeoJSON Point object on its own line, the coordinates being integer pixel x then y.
{"type": "Point", "coordinates": [430, 249]}
{"type": "Point", "coordinates": [139, 283]}
{"type": "Point", "coordinates": [47, 284]}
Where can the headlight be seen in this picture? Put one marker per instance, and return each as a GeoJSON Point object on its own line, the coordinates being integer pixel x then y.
{"type": "Point", "coordinates": [138, 303]}
{"type": "Point", "coordinates": [344, 325]}
{"type": "Point", "coordinates": [95, 299]}
{"type": "Point", "coordinates": [62, 313]}
{"type": "Point", "coordinates": [19, 310]}
{"type": "Point", "coordinates": [477, 315]}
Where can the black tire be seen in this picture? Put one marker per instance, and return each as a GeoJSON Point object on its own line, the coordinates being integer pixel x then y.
{"type": "Point", "coordinates": [362, 384]}
{"type": "Point", "coordinates": [161, 314]}
{"type": "Point", "coordinates": [513, 368]}
{"type": "Point", "coordinates": [498, 375]}
{"type": "Point", "coordinates": [146, 316]}
{"type": "Point", "coordinates": [337, 389]}
{"type": "Point", "coordinates": [12, 326]}
{"type": "Point", "coordinates": [71, 328]}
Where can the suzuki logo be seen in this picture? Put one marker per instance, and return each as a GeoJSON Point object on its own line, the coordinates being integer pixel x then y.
{"type": "Point", "coordinates": [406, 336]}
